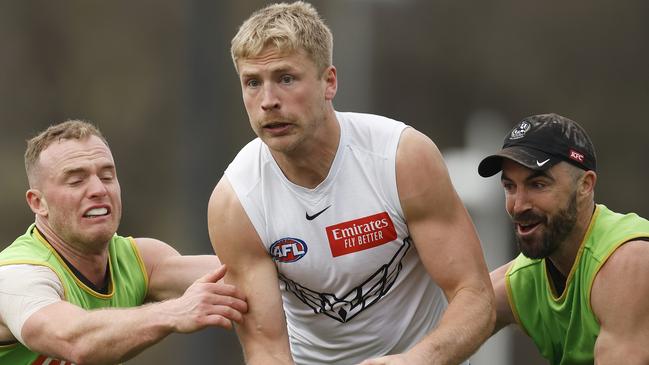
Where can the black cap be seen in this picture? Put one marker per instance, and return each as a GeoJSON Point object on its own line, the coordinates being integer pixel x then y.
{"type": "Point", "coordinates": [541, 141]}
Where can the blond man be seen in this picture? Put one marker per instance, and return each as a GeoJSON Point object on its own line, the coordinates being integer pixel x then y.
{"type": "Point", "coordinates": [342, 229]}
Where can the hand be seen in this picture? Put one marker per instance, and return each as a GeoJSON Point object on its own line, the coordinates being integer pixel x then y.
{"type": "Point", "coordinates": [206, 303]}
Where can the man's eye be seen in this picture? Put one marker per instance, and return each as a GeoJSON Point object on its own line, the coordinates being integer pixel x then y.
{"type": "Point", "coordinates": [287, 79]}
{"type": "Point", "coordinates": [252, 83]}
{"type": "Point", "coordinates": [538, 185]}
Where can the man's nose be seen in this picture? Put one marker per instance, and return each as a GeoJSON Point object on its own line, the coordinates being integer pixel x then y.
{"type": "Point", "coordinates": [269, 100]}
{"type": "Point", "coordinates": [519, 202]}
{"type": "Point", "coordinates": [96, 187]}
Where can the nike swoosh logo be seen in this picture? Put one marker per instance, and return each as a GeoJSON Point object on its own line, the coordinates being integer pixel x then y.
{"type": "Point", "coordinates": [540, 164]}
{"type": "Point", "coordinates": [312, 217]}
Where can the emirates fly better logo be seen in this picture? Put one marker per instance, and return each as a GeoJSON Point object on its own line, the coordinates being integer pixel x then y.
{"type": "Point", "coordinates": [361, 234]}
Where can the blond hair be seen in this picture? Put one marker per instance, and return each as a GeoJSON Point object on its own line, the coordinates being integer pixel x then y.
{"type": "Point", "coordinates": [289, 27]}
{"type": "Point", "coordinates": [71, 129]}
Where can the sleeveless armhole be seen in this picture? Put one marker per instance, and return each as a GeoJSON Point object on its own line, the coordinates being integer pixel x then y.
{"type": "Point", "coordinates": [510, 299]}
{"type": "Point", "coordinates": [244, 175]}
{"type": "Point", "coordinates": [251, 211]}
{"type": "Point", "coordinates": [392, 149]}
{"type": "Point", "coordinates": [138, 256]}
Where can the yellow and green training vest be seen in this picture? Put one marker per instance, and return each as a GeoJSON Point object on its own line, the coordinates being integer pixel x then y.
{"type": "Point", "coordinates": [127, 287]}
{"type": "Point", "coordinates": [564, 327]}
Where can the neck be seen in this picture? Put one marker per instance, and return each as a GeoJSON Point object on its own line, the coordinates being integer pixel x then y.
{"type": "Point", "coordinates": [564, 258]}
{"type": "Point", "coordinates": [309, 165]}
{"type": "Point", "coordinates": [92, 264]}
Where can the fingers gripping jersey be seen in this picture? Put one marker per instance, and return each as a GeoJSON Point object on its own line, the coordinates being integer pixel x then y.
{"type": "Point", "coordinates": [352, 283]}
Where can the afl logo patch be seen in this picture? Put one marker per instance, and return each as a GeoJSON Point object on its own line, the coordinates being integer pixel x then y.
{"type": "Point", "coordinates": [520, 130]}
{"type": "Point", "coordinates": [288, 249]}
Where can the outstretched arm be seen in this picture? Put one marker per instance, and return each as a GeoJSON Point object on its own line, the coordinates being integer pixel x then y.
{"type": "Point", "coordinates": [262, 333]}
{"type": "Point", "coordinates": [620, 301]}
{"type": "Point", "coordinates": [449, 249]}
{"type": "Point", "coordinates": [108, 336]}
{"type": "Point", "coordinates": [171, 273]}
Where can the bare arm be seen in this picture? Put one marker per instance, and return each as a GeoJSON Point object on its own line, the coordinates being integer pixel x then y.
{"type": "Point", "coordinates": [450, 250]}
{"type": "Point", "coordinates": [170, 274]}
{"type": "Point", "coordinates": [504, 315]}
{"type": "Point", "coordinates": [110, 336]}
{"type": "Point", "coordinates": [620, 301]}
{"type": "Point", "coordinates": [262, 333]}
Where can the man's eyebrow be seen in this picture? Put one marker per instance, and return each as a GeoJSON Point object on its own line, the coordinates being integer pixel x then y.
{"type": "Point", "coordinates": [279, 69]}
{"type": "Point", "coordinates": [536, 174]}
{"type": "Point", "coordinates": [82, 170]}
{"type": "Point", "coordinates": [73, 171]}
{"type": "Point", "coordinates": [532, 176]}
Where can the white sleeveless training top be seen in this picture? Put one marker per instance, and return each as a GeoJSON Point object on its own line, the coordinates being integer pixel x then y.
{"type": "Point", "coordinates": [352, 284]}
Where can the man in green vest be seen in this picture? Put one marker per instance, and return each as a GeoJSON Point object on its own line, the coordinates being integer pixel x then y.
{"type": "Point", "coordinates": [580, 287]}
{"type": "Point", "coordinates": [72, 290]}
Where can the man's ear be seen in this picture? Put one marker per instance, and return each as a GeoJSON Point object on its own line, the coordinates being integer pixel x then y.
{"type": "Point", "coordinates": [37, 202]}
{"type": "Point", "coordinates": [331, 82]}
{"type": "Point", "coordinates": [588, 182]}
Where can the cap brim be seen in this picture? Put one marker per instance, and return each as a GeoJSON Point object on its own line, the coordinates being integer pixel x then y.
{"type": "Point", "coordinates": [528, 157]}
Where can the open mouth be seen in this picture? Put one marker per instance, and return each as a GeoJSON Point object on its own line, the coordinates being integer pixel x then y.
{"type": "Point", "coordinates": [96, 212]}
{"type": "Point", "coordinates": [277, 125]}
{"type": "Point", "coordinates": [527, 228]}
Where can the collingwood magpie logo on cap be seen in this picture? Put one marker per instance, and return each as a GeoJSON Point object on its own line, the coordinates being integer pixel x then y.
{"type": "Point", "coordinates": [520, 130]}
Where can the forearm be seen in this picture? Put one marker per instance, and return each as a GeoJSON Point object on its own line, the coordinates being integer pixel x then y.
{"type": "Point", "coordinates": [267, 358]}
{"type": "Point", "coordinates": [105, 336]}
{"type": "Point", "coordinates": [116, 337]}
{"type": "Point", "coordinates": [466, 324]}
{"type": "Point", "coordinates": [264, 344]}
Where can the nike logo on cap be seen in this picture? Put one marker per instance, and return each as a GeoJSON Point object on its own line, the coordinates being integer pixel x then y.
{"type": "Point", "coordinates": [312, 217]}
{"type": "Point", "coordinates": [540, 164]}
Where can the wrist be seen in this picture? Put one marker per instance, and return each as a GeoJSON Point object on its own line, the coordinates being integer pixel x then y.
{"type": "Point", "coordinates": [161, 317]}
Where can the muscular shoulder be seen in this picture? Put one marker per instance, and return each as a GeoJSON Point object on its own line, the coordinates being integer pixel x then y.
{"type": "Point", "coordinates": [620, 301]}
{"type": "Point", "coordinates": [224, 207]}
{"type": "Point", "coordinates": [153, 251]}
{"type": "Point", "coordinates": [231, 231]}
{"type": "Point", "coordinates": [622, 281]}
{"type": "Point", "coordinates": [421, 171]}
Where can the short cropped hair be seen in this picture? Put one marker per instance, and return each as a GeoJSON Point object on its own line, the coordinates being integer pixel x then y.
{"type": "Point", "coordinates": [71, 129]}
{"type": "Point", "coordinates": [289, 27]}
